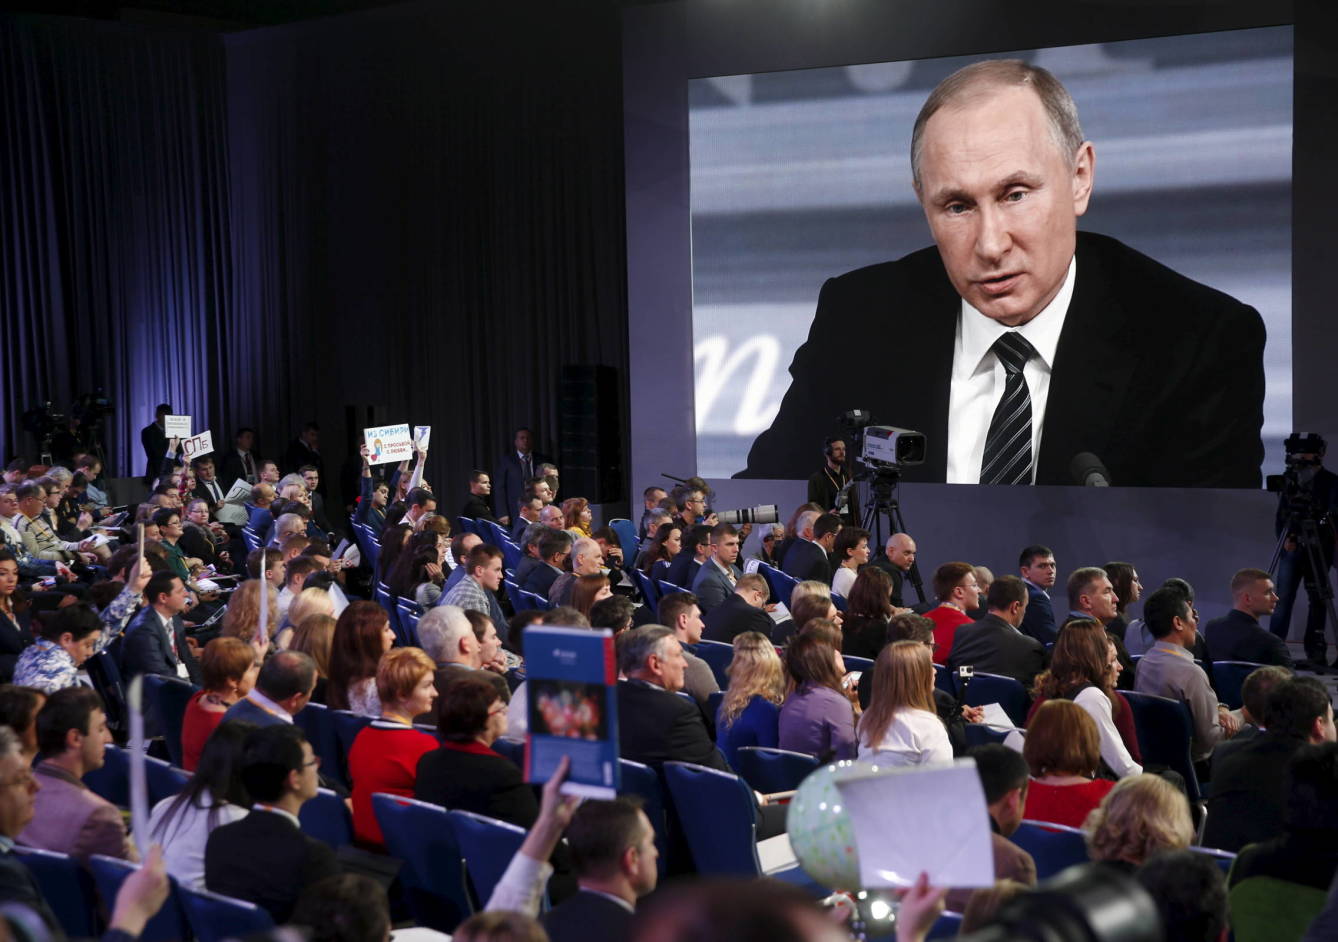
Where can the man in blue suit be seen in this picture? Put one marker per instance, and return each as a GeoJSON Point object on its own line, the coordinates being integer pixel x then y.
{"type": "Point", "coordinates": [1039, 571]}
{"type": "Point", "coordinates": [155, 640]}
{"type": "Point", "coordinates": [808, 556]}
{"type": "Point", "coordinates": [517, 466]}
{"type": "Point", "coordinates": [282, 689]}
{"type": "Point", "coordinates": [717, 577]}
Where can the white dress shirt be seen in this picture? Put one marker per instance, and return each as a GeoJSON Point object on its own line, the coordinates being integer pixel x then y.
{"type": "Point", "coordinates": [978, 379]}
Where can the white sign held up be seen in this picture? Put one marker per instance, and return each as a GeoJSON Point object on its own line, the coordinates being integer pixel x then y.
{"type": "Point", "coordinates": [197, 445]}
{"type": "Point", "coordinates": [176, 426]}
{"type": "Point", "coordinates": [388, 444]}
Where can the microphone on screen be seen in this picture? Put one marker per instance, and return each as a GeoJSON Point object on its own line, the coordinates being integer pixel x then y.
{"type": "Point", "coordinates": [1088, 470]}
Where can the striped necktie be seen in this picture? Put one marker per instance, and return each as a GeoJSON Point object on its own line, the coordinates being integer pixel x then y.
{"type": "Point", "coordinates": [1008, 458]}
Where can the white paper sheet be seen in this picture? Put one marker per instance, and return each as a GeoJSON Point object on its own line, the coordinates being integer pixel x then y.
{"type": "Point", "coordinates": [176, 426]}
{"type": "Point", "coordinates": [912, 820]}
{"type": "Point", "coordinates": [775, 854]}
{"type": "Point", "coordinates": [997, 717]}
{"type": "Point", "coordinates": [779, 613]}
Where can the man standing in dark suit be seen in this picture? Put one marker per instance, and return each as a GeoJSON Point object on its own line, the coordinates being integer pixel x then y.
{"type": "Point", "coordinates": [155, 640]}
{"type": "Point", "coordinates": [305, 450]}
{"type": "Point", "coordinates": [1237, 635]}
{"type": "Point", "coordinates": [154, 440]}
{"type": "Point", "coordinates": [831, 488]}
{"type": "Point", "coordinates": [809, 556]}
{"type": "Point", "coordinates": [744, 610]}
{"type": "Point", "coordinates": [1017, 324]}
{"type": "Point", "coordinates": [279, 771]}
{"type": "Point", "coordinates": [513, 469]}
{"type": "Point", "coordinates": [1039, 571]}
{"type": "Point", "coordinates": [994, 644]}
{"type": "Point", "coordinates": [240, 462]}
{"type": "Point", "coordinates": [655, 724]}
{"type": "Point", "coordinates": [613, 846]}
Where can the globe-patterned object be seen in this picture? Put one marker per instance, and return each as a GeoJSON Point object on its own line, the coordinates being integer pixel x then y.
{"type": "Point", "coordinates": [820, 831]}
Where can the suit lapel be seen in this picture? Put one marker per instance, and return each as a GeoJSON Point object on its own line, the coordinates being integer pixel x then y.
{"type": "Point", "coordinates": [922, 379]}
{"type": "Point", "coordinates": [1091, 373]}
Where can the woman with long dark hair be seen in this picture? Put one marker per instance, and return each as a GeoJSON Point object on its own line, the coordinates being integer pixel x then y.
{"type": "Point", "coordinates": [214, 796]}
{"type": "Point", "coordinates": [1083, 668]}
{"type": "Point", "coordinates": [666, 544]}
{"type": "Point", "coordinates": [868, 610]}
{"type": "Point", "coordinates": [362, 634]}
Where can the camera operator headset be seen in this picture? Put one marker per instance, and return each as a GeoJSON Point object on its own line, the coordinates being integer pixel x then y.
{"type": "Point", "coordinates": [832, 486]}
{"type": "Point", "coordinates": [1307, 510]}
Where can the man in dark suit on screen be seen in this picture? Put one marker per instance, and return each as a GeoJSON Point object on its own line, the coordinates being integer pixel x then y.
{"type": "Point", "coordinates": [1019, 342]}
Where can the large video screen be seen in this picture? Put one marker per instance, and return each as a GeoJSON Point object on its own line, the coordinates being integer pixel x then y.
{"type": "Point", "coordinates": [1166, 352]}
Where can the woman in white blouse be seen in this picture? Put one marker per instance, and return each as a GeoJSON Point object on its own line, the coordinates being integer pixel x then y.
{"type": "Point", "coordinates": [1083, 668]}
{"type": "Point", "coordinates": [852, 551]}
{"type": "Point", "coordinates": [214, 796]}
{"type": "Point", "coordinates": [901, 727]}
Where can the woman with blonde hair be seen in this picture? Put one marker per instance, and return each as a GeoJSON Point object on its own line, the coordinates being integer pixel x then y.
{"type": "Point", "coordinates": [312, 637]}
{"type": "Point", "coordinates": [385, 754]}
{"type": "Point", "coordinates": [1141, 816]}
{"type": "Point", "coordinates": [749, 713]}
{"type": "Point", "coordinates": [242, 618]}
{"type": "Point", "coordinates": [309, 602]}
{"type": "Point", "coordinates": [901, 725]}
{"type": "Point", "coordinates": [576, 517]}
{"type": "Point", "coordinates": [1083, 668]}
{"type": "Point", "coordinates": [1063, 752]}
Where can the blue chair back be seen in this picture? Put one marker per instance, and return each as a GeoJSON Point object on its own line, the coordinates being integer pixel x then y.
{"type": "Point", "coordinates": [105, 672]}
{"type": "Point", "coordinates": [667, 588]}
{"type": "Point", "coordinates": [840, 602]}
{"type": "Point", "coordinates": [773, 770]}
{"type": "Point", "coordinates": [317, 724]}
{"type": "Point", "coordinates": [68, 889]}
{"type": "Point", "coordinates": [534, 600]}
{"type": "Point", "coordinates": [112, 781]}
{"type": "Point", "coordinates": [386, 599]}
{"type": "Point", "coordinates": [978, 734]}
{"type": "Point", "coordinates": [373, 554]}
{"type": "Point", "coordinates": [1228, 677]}
{"type": "Point", "coordinates": [512, 553]}
{"type": "Point", "coordinates": [409, 612]}
{"type": "Point", "coordinates": [713, 701]}
{"type": "Point", "coordinates": [162, 779]}
{"type": "Point", "coordinates": [170, 698]}
{"type": "Point", "coordinates": [469, 525]}
{"type": "Point", "coordinates": [946, 926]}
{"type": "Point", "coordinates": [168, 924]}
{"type": "Point", "coordinates": [1054, 847]}
{"type": "Point", "coordinates": [1164, 731]}
{"type": "Point", "coordinates": [854, 663]}
{"type": "Point", "coordinates": [327, 819]}
{"type": "Point", "coordinates": [650, 592]}
{"type": "Point", "coordinates": [513, 749]}
{"type": "Point", "coordinates": [251, 538]}
{"type": "Point", "coordinates": [513, 593]}
{"type": "Point", "coordinates": [626, 531]}
{"type": "Point", "coordinates": [487, 846]}
{"type": "Point", "coordinates": [347, 725]}
{"type": "Point", "coordinates": [716, 811]}
{"type": "Point", "coordinates": [943, 679]}
{"type": "Point", "coordinates": [1005, 691]}
{"type": "Point", "coordinates": [215, 917]}
{"type": "Point", "coordinates": [642, 781]}
{"type": "Point", "coordinates": [433, 875]}
{"type": "Point", "coordinates": [717, 655]}
{"type": "Point", "coordinates": [781, 584]}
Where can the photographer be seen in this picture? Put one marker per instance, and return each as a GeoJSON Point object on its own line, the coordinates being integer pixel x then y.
{"type": "Point", "coordinates": [1307, 492]}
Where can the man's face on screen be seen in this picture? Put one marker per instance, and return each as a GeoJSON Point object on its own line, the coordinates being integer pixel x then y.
{"type": "Point", "coordinates": [1002, 201]}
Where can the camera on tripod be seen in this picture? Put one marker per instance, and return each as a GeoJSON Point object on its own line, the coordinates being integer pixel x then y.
{"type": "Point", "coordinates": [882, 447]}
{"type": "Point", "coordinates": [1304, 452]}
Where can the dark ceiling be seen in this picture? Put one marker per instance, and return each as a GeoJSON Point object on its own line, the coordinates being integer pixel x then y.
{"type": "Point", "coordinates": [229, 14]}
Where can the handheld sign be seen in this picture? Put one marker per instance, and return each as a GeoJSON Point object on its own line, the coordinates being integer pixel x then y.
{"type": "Point", "coordinates": [572, 678]}
{"type": "Point", "coordinates": [388, 444]}
{"type": "Point", "coordinates": [421, 435]}
{"type": "Point", "coordinates": [262, 629]}
{"type": "Point", "coordinates": [139, 784]}
{"type": "Point", "coordinates": [197, 445]}
{"type": "Point", "coordinates": [176, 426]}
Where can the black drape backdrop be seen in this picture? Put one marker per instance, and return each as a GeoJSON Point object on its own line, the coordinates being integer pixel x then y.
{"type": "Point", "coordinates": [414, 210]}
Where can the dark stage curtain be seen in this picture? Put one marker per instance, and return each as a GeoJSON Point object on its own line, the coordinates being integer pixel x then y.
{"type": "Point", "coordinates": [114, 270]}
{"type": "Point", "coordinates": [415, 211]}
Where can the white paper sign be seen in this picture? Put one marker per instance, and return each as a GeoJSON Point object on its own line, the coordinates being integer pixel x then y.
{"type": "Point", "coordinates": [388, 443]}
{"type": "Point", "coordinates": [197, 445]}
{"type": "Point", "coordinates": [233, 510]}
{"type": "Point", "coordinates": [909, 820]}
{"type": "Point", "coordinates": [139, 781]}
{"type": "Point", "coordinates": [239, 493]}
{"type": "Point", "coordinates": [996, 717]}
{"type": "Point", "coordinates": [176, 426]}
{"type": "Point", "coordinates": [421, 435]}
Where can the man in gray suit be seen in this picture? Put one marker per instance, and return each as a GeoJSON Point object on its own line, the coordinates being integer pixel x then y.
{"type": "Point", "coordinates": [718, 576]}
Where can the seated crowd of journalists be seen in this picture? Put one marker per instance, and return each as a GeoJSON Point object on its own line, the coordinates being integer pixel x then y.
{"type": "Point", "coordinates": [77, 592]}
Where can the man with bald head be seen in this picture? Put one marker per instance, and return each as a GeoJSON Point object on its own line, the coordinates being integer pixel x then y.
{"type": "Point", "coordinates": [1025, 342]}
{"type": "Point", "coordinates": [586, 560]}
{"type": "Point", "coordinates": [897, 559]}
